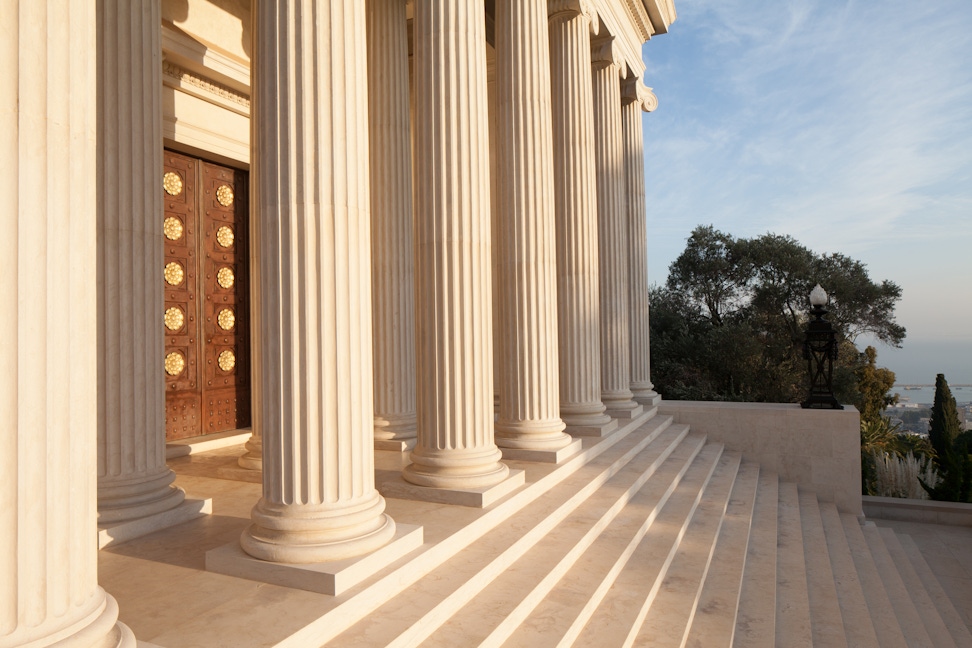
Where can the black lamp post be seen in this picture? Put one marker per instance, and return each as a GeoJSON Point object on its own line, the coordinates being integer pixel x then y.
{"type": "Point", "coordinates": [820, 350]}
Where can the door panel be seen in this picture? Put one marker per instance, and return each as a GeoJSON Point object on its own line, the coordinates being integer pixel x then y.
{"type": "Point", "coordinates": [206, 304]}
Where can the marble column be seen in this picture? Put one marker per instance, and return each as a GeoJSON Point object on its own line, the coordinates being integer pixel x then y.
{"type": "Point", "coordinates": [310, 82]}
{"type": "Point", "coordinates": [612, 231]}
{"type": "Point", "coordinates": [529, 413]}
{"type": "Point", "coordinates": [252, 459]}
{"type": "Point", "coordinates": [635, 98]}
{"type": "Point", "coordinates": [454, 347]}
{"type": "Point", "coordinates": [492, 110]}
{"type": "Point", "coordinates": [391, 225]}
{"type": "Point", "coordinates": [49, 591]}
{"type": "Point", "coordinates": [133, 479]}
{"type": "Point", "coordinates": [575, 192]}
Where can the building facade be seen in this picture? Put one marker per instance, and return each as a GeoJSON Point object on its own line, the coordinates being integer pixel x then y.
{"type": "Point", "coordinates": [420, 228]}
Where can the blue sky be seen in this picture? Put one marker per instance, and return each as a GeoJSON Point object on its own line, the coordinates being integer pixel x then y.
{"type": "Point", "coordinates": [845, 124]}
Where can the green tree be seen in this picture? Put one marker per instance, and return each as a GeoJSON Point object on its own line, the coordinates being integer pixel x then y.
{"type": "Point", "coordinates": [873, 387]}
{"type": "Point", "coordinates": [729, 322]}
{"type": "Point", "coordinates": [952, 458]}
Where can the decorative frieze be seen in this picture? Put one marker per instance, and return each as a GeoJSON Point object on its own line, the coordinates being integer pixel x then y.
{"type": "Point", "coordinates": [183, 77]}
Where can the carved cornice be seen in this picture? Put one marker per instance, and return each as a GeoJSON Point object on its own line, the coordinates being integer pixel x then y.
{"type": "Point", "coordinates": [640, 18]}
{"type": "Point", "coordinates": [575, 8]}
{"type": "Point", "coordinates": [605, 51]}
{"type": "Point", "coordinates": [632, 89]}
{"type": "Point", "coordinates": [207, 86]}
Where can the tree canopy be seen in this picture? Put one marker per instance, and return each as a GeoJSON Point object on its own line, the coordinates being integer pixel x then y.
{"type": "Point", "coordinates": [729, 322]}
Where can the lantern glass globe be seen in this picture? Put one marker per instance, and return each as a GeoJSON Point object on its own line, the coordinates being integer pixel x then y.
{"type": "Point", "coordinates": [818, 296]}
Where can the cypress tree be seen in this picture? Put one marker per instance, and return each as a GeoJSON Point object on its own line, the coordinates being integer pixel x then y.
{"type": "Point", "coordinates": [953, 461]}
{"type": "Point", "coordinates": [944, 426]}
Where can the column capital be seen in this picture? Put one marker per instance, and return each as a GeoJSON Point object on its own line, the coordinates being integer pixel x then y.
{"type": "Point", "coordinates": [574, 8]}
{"type": "Point", "coordinates": [633, 90]}
{"type": "Point", "coordinates": [605, 52]}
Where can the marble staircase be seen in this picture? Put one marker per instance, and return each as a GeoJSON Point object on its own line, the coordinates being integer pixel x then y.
{"type": "Point", "coordinates": [658, 539]}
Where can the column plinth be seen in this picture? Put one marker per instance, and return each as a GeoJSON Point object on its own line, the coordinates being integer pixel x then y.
{"type": "Point", "coordinates": [455, 447]}
{"type": "Point", "coordinates": [49, 592]}
{"type": "Point", "coordinates": [635, 98]}
{"type": "Point", "coordinates": [612, 232]}
{"type": "Point", "coordinates": [391, 225]}
{"type": "Point", "coordinates": [529, 413]}
{"type": "Point", "coordinates": [319, 500]}
{"type": "Point", "coordinates": [575, 193]}
{"type": "Point", "coordinates": [133, 479]}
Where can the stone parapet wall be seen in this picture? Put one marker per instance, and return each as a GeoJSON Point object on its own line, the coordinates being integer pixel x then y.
{"type": "Point", "coordinates": [817, 449]}
{"type": "Point", "coordinates": [916, 510]}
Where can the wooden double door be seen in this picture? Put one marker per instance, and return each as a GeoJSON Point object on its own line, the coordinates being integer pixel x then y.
{"type": "Point", "coordinates": [207, 343]}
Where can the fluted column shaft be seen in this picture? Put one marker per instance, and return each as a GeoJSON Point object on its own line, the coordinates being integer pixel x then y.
{"type": "Point", "coordinates": [310, 81]}
{"type": "Point", "coordinates": [391, 221]}
{"type": "Point", "coordinates": [529, 413]}
{"type": "Point", "coordinates": [49, 589]}
{"type": "Point", "coordinates": [576, 214]}
{"type": "Point", "coordinates": [612, 230]}
{"type": "Point", "coordinates": [635, 98]}
{"type": "Point", "coordinates": [133, 479]}
{"type": "Point", "coordinates": [455, 447]}
{"type": "Point", "coordinates": [252, 459]}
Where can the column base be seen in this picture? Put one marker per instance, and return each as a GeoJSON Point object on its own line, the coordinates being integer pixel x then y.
{"type": "Point", "coordinates": [315, 533]}
{"type": "Point", "coordinates": [480, 497]}
{"type": "Point", "coordinates": [396, 434]}
{"type": "Point", "coordinates": [332, 577]}
{"type": "Point", "coordinates": [592, 430]}
{"type": "Point", "coordinates": [136, 497]}
{"type": "Point", "coordinates": [395, 445]}
{"type": "Point", "coordinates": [253, 459]}
{"type": "Point", "coordinates": [118, 532]}
{"type": "Point", "coordinates": [625, 412]}
{"type": "Point", "coordinates": [648, 398]}
{"type": "Point", "coordinates": [195, 445]}
{"type": "Point", "coordinates": [544, 456]}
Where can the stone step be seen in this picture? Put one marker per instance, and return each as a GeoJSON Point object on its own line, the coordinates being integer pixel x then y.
{"type": "Point", "coordinates": [792, 597]}
{"type": "Point", "coordinates": [625, 605]}
{"type": "Point", "coordinates": [923, 604]}
{"type": "Point", "coordinates": [411, 614]}
{"type": "Point", "coordinates": [550, 497]}
{"type": "Point", "coordinates": [756, 619]}
{"type": "Point", "coordinates": [717, 611]}
{"type": "Point", "coordinates": [858, 627]}
{"type": "Point", "coordinates": [883, 618]}
{"type": "Point", "coordinates": [582, 545]}
{"type": "Point", "coordinates": [827, 625]}
{"type": "Point", "coordinates": [953, 620]}
{"type": "Point", "coordinates": [904, 609]}
{"type": "Point", "coordinates": [670, 616]}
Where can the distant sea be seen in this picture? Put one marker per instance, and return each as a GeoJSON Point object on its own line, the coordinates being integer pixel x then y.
{"type": "Point", "coordinates": [925, 394]}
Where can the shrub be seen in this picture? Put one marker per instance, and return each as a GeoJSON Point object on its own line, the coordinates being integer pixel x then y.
{"type": "Point", "coordinates": [896, 476]}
